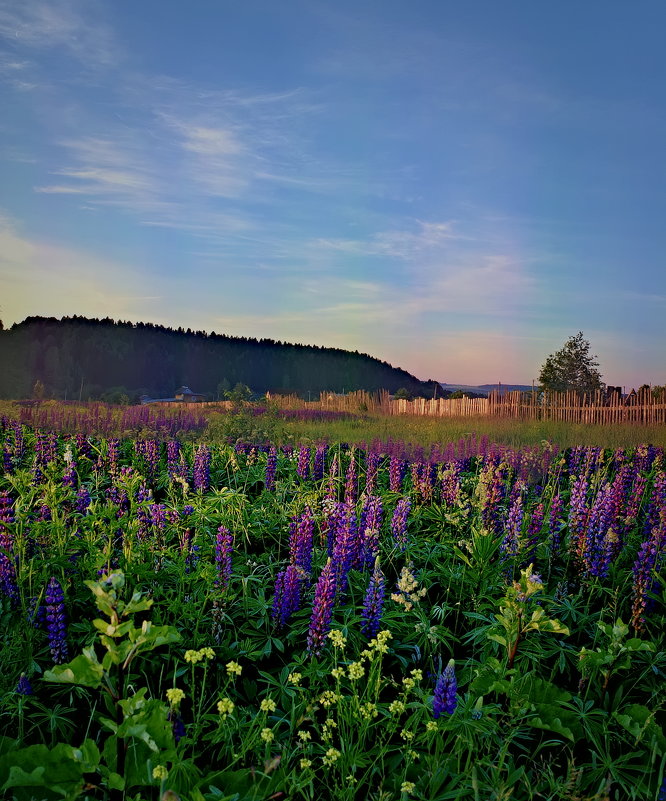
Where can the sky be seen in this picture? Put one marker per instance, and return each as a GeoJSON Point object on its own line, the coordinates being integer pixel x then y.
{"type": "Point", "coordinates": [454, 187]}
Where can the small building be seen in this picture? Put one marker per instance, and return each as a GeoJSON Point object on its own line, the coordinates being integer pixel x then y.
{"type": "Point", "coordinates": [181, 395]}
{"type": "Point", "coordinates": [186, 394]}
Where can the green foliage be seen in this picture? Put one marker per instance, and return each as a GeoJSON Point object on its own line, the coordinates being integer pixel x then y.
{"type": "Point", "coordinates": [571, 368]}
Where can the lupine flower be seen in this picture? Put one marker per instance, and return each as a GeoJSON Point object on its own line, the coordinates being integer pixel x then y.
{"type": "Point", "coordinates": [371, 523]}
{"type": "Point", "coordinates": [322, 608]}
{"type": "Point", "coordinates": [444, 700]}
{"type": "Point", "coordinates": [451, 492]}
{"type": "Point", "coordinates": [224, 543]}
{"type": "Point", "coordinates": [554, 524]}
{"type": "Point", "coordinates": [288, 590]}
{"type": "Point", "coordinates": [372, 463]}
{"type": "Point", "coordinates": [533, 534]}
{"type": "Point", "coordinates": [158, 515]}
{"type": "Point", "coordinates": [511, 541]}
{"type": "Point", "coordinates": [177, 725]}
{"type": "Point", "coordinates": [373, 603]}
{"type": "Point", "coordinates": [649, 560]}
{"type": "Point", "coordinates": [578, 514]}
{"type": "Point", "coordinates": [396, 473]}
{"type": "Point", "coordinates": [351, 489]}
{"type": "Point", "coordinates": [300, 545]}
{"type": "Point", "coordinates": [56, 621]}
{"type": "Point", "coordinates": [82, 500]}
{"type": "Point", "coordinates": [345, 546]}
{"type": "Point", "coordinates": [303, 463]}
{"type": "Point", "coordinates": [319, 462]}
{"type": "Point", "coordinates": [399, 523]}
{"type": "Point", "coordinates": [597, 546]}
{"type": "Point", "coordinates": [112, 455]}
{"type": "Point", "coordinates": [24, 687]}
{"type": "Point", "coordinates": [201, 468]}
{"type": "Point", "coordinates": [271, 469]}
{"type": "Point", "coordinates": [6, 465]}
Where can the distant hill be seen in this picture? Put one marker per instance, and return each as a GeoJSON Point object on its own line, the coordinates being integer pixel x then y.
{"type": "Point", "coordinates": [91, 358]}
{"type": "Point", "coordinates": [485, 388]}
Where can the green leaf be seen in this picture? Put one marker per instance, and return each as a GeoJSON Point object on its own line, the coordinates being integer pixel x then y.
{"type": "Point", "coordinates": [84, 670]}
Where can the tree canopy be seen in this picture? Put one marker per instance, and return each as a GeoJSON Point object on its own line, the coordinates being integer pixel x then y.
{"type": "Point", "coordinates": [571, 368]}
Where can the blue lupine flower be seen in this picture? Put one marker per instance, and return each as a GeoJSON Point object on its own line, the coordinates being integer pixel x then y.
{"type": "Point", "coordinates": [444, 700]}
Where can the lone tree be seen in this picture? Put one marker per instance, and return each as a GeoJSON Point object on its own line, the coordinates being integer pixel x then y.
{"type": "Point", "coordinates": [572, 367]}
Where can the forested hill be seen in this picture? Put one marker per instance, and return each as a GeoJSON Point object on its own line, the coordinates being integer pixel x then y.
{"type": "Point", "coordinates": [89, 357]}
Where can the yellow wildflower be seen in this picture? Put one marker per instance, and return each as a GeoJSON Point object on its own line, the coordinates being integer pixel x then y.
{"type": "Point", "coordinates": [193, 656]}
{"type": "Point", "coordinates": [207, 652]}
{"type": "Point", "coordinates": [417, 674]}
{"type": "Point", "coordinates": [233, 668]}
{"type": "Point", "coordinates": [332, 755]}
{"type": "Point", "coordinates": [160, 772]}
{"type": "Point", "coordinates": [368, 711]}
{"type": "Point", "coordinates": [268, 705]}
{"type": "Point", "coordinates": [305, 764]}
{"type": "Point", "coordinates": [304, 735]}
{"type": "Point", "coordinates": [328, 698]}
{"type": "Point", "coordinates": [431, 725]}
{"type": "Point", "coordinates": [225, 706]}
{"type": "Point", "coordinates": [413, 755]}
{"type": "Point", "coordinates": [408, 683]}
{"type": "Point", "coordinates": [174, 696]}
{"type": "Point", "coordinates": [356, 671]}
{"type": "Point", "coordinates": [267, 735]}
{"type": "Point", "coordinates": [407, 735]}
{"type": "Point", "coordinates": [337, 638]}
{"type": "Point", "coordinates": [294, 678]}
{"type": "Point", "coordinates": [337, 673]}
{"type": "Point", "coordinates": [407, 787]}
{"type": "Point", "coordinates": [396, 708]}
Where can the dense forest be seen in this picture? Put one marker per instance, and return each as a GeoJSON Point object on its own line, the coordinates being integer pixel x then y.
{"type": "Point", "coordinates": [77, 357]}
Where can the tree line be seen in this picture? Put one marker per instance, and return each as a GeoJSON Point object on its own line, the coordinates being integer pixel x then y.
{"type": "Point", "coordinates": [79, 357]}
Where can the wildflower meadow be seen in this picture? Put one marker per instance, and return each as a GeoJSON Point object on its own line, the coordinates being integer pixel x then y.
{"type": "Point", "coordinates": [189, 620]}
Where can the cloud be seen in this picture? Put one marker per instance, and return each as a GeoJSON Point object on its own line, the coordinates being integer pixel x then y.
{"type": "Point", "coordinates": [76, 28]}
{"type": "Point", "coordinates": [50, 279]}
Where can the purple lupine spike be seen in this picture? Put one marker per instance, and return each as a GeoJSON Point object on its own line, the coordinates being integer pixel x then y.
{"type": "Point", "coordinates": [372, 462]}
{"type": "Point", "coordinates": [351, 482]}
{"type": "Point", "coordinates": [271, 469]}
{"type": "Point", "coordinates": [113, 455]}
{"type": "Point", "coordinates": [371, 523]}
{"type": "Point", "coordinates": [555, 524]}
{"type": "Point", "coordinates": [444, 700]}
{"type": "Point", "coordinates": [399, 522]}
{"type": "Point", "coordinates": [373, 603]}
{"type": "Point", "coordinates": [8, 582]}
{"type": "Point", "coordinates": [82, 500]}
{"type": "Point", "coordinates": [158, 515]}
{"type": "Point", "coordinates": [301, 541]}
{"type": "Point", "coordinates": [597, 547]}
{"type": "Point", "coordinates": [224, 544]}
{"type": "Point", "coordinates": [69, 477]}
{"type": "Point", "coordinates": [288, 591]}
{"type": "Point", "coordinates": [23, 687]}
{"type": "Point", "coordinates": [56, 622]}
{"type": "Point", "coordinates": [201, 468]}
{"type": "Point", "coordinates": [511, 542]}
{"type": "Point", "coordinates": [533, 536]}
{"type": "Point", "coordinates": [345, 546]}
{"type": "Point", "coordinates": [396, 473]}
{"type": "Point", "coordinates": [83, 448]}
{"type": "Point", "coordinates": [578, 514]}
{"type": "Point", "coordinates": [649, 560]}
{"type": "Point", "coordinates": [45, 515]}
{"type": "Point", "coordinates": [303, 463]}
{"type": "Point", "coordinates": [6, 465]}
{"type": "Point", "coordinates": [332, 482]}
{"type": "Point", "coordinates": [451, 491]}
{"type": "Point", "coordinates": [177, 725]}
{"type": "Point", "coordinates": [322, 608]}
{"type": "Point", "coordinates": [319, 462]}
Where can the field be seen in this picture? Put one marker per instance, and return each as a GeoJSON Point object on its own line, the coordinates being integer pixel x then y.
{"type": "Point", "coordinates": [449, 612]}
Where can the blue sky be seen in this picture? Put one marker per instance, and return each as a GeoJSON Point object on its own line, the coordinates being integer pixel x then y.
{"type": "Point", "coordinates": [453, 187]}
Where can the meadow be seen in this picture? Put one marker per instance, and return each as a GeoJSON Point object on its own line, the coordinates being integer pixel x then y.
{"type": "Point", "coordinates": [448, 612]}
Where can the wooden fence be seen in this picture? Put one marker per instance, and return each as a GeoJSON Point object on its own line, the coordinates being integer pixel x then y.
{"type": "Point", "coordinates": [569, 407]}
